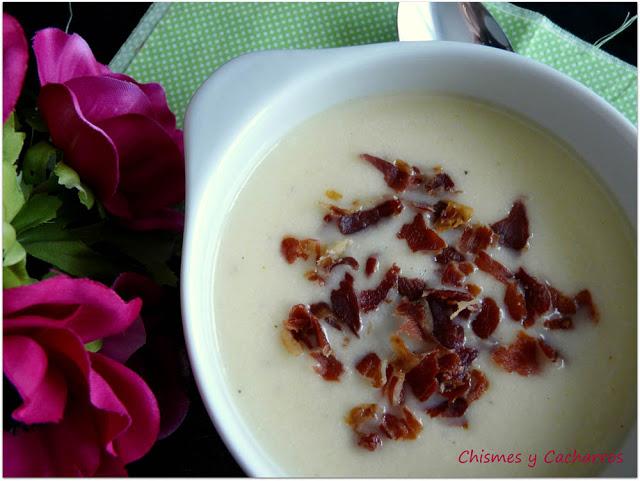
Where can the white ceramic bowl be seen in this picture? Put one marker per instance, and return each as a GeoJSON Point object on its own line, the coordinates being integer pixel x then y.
{"type": "Point", "coordinates": [252, 101]}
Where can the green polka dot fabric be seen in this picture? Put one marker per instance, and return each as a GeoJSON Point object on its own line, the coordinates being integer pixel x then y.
{"type": "Point", "coordinates": [181, 44]}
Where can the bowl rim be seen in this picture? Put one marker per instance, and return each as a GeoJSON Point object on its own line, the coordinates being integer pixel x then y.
{"type": "Point", "coordinates": [246, 452]}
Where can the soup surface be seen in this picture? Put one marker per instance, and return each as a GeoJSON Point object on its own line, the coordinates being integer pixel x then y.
{"type": "Point", "coordinates": [579, 241]}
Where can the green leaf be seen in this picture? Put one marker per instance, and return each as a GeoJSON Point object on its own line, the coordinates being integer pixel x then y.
{"type": "Point", "coordinates": [71, 180]}
{"type": "Point", "coordinates": [73, 257]}
{"type": "Point", "coordinates": [151, 250]}
{"type": "Point", "coordinates": [37, 160]}
{"type": "Point", "coordinates": [15, 275]}
{"type": "Point", "coordinates": [12, 196]}
{"type": "Point", "coordinates": [94, 346]}
{"type": "Point", "coordinates": [11, 141]}
{"type": "Point", "coordinates": [12, 251]}
{"type": "Point", "coordinates": [39, 209]}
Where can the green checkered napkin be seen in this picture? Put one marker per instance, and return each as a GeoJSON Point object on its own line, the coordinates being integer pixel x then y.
{"type": "Point", "coordinates": [180, 44]}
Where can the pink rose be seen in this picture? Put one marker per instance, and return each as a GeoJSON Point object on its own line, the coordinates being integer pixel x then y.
{"type": "Point", "coordinates": [14, 63]}
{"type": "Point", "coordinates": [79, 413]}
{"type": "Point", "coordinates": [119, 135]}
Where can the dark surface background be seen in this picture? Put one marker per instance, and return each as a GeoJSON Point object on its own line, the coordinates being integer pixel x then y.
{"type": "Point", "coordinates": [196, 449]}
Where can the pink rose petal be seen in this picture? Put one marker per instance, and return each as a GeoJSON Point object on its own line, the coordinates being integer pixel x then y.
{"type": "Point", "coordinates": [141, 405]}
{"type": "Point", "coordinates": [100, 311]}
{"type": "Point", "coordinates": [102, 98]}
{"type": "Point", "coordinates": [42, 387]}
{"type": "Point", "coordinates": [152, 166]}
{"type": "Point", "coordinates": [15, 56]}
{"type": "Point", "coordinates": [87, 148]}
{"type": "Point", "coordinates": [61, 57]}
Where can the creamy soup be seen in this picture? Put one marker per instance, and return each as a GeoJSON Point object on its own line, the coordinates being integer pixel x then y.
{"type": "Point", "coordinates": [579, 240]}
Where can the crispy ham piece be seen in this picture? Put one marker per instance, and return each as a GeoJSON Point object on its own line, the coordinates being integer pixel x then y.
{"type": "Point", "coordinates": [293, 249]}
{"type": "Point", "coordinates": [371, 266]}
{"type": "Point", "coordinates": [513, 230]}
{"type": "Point", "coordinates": [439, 183]}
{"type": "Point", "coordinates": [327, 366]}
{"type": "Point", "coordinates": [487, 319]}
{"type": "Point", "coordinates": [487, 264]}
{"type": "Point", "coordinates": [344, 304]}
{"type": "Point", "coordinates": [405, 426]}
{"type": "Point", "coordinates": [370, 367]}
{"type": "Point", "coordinates": [476, 238]}
{"type": "Point", "coordinates": [371, 298]}
{"type": "Point", "coordinates": [536, 295]}
{"type": "Point", "coordinates": [520, 357]}
{"type": "Point", "coordinates": [352, 222]}
{"type": "Point", "coordinates": [398, 175]}
{"type": "Point", "coordinates": [412, 289]}
{"type": "Point", "coordinates": [450, 215]}
{"type": "Point", "coordinates": [419, 237]}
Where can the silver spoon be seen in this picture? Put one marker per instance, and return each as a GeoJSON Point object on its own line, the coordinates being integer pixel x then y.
{"type": "Point", "coordinates": [458, 21]}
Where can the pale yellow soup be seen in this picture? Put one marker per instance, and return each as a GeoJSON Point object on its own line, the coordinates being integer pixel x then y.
{"type": "Point", "coordinates": [579, 240]}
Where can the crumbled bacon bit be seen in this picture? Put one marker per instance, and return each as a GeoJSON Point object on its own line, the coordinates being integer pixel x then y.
{"type": "Point", "coordinates": [514, 299]}
{"type": "Point", "coordinates": [344, 304]}
{"type": "Point", "coordinates": [333, 195]}
{"type": "Point", "coordinates": [476, 238]}
{"type": "Point", "coordinates": [467, 355]}
{"type": "Point", "coordinates": [449, 215]}
{"type": "Point", "coordinates": [407, 427]}
{"type": "Point", "coordinates": [415, 319]}
{"type": "Point", "coordinates": [323, 311]}
{"type": "Point", "coordinates": [449, 409]}
{"type": "Point", "coordinates": [370, 366]}
{"type": "Point", "coordinates": [479, 385]}
{"type": "Point", "coordinates": [360, 220]}
{"type": "Point", "coordinates": [305, 328]}
{"type": "Point", "coordinates": [405, 359]}
{"type": "Point", "coordinates": [487, 319]}
{"type": "Point", "coordinates": [358, 419]}
{"type": "Point", "coordinates": [398, 175]}
{"type": "Point", "coordinates": [420, 237]}
{"type": "Point", "coordinates": [446, 332]}
{"type": "Point", "coordinates": [313, 276]}
{"type": "Point", "coordinates": [292, 249]}
{"type": "Point", "coordinates": [583, 298]}
{"type": "Point", "coordinates": [449, 254]}
{"type": "Point", "coordinates": [450, 295]}
{"type": "Point", "coordinates": [394, 387]}
{"type": "Point", "coordinates": [474, 289]}
{"type": "Point", "coordinates": [466, 267]}
{"type": "Point", "coordinates": [536, 296]}
{"type": "Point", "coordinates": [371, 266]}
{"type": "Point", "coordinates": [440, 182]}
{"type": "Point", "coordinates": [492, 267]}
{"type": "Point", "coordinates": [552, 354]}
{"type": "Point", "coordinates": [513, 230]}
{"type": "Point", "coordinates": [412, 289]}
{"type": "Point", "coordinates": [563, 323]}
{"type": "Point", "coordinates": [360, 414]}
{"type": "Point", "coordinates": [327, 366]}
{"type": "Point", "coordinates": [371, 298]}
{"type": "Point", "coordinates": [521, 356]}
{"type": "Point", "coordinates": [350, 261]}
{"type": "Point", "coordinates": [452, 275]}
{"type": "Point", "coordinates": [369, 441]}
{"type": "Point", "coordinates": [565, 305]}
{"type": "Point", "coordinates": [422, 378]}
